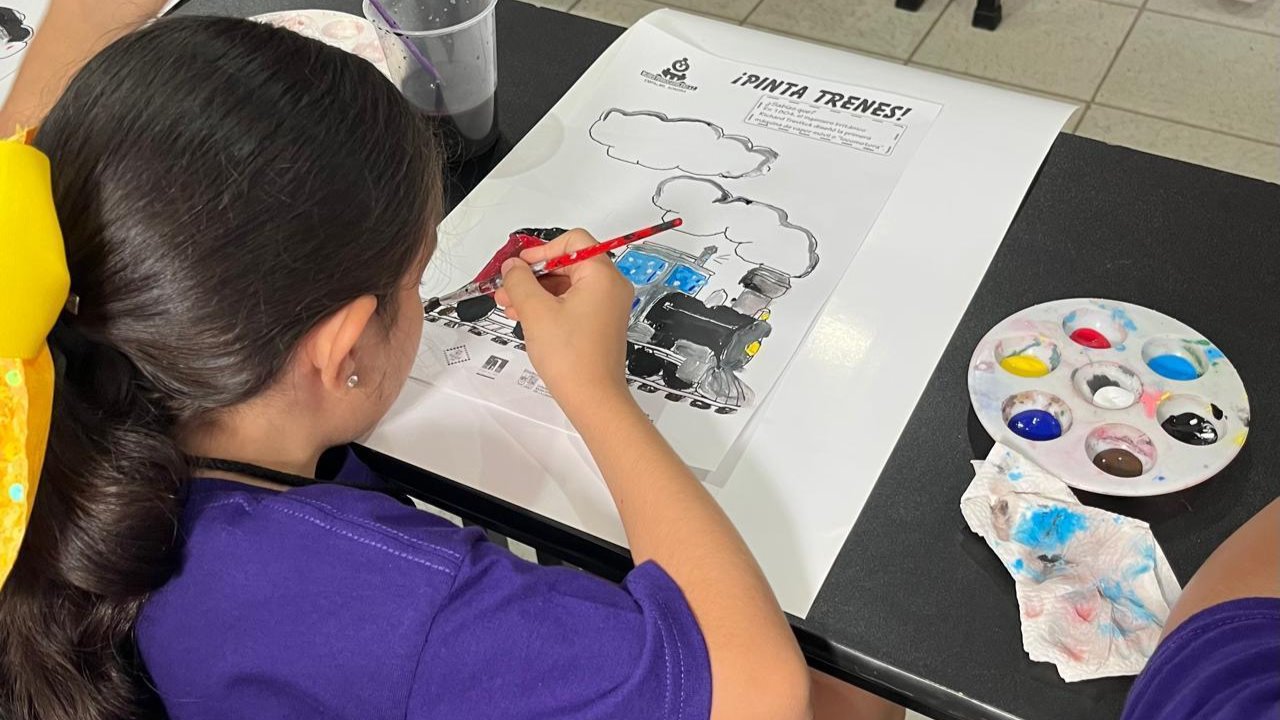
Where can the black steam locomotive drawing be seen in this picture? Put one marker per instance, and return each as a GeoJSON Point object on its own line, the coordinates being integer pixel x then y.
{"type": "Point", "coordinates": [688, 347]}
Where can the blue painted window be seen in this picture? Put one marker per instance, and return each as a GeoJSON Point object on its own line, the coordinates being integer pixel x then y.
{"type": "Point", "coordinates": [686, 279]}
{"type": "Point", "coordinates": [641, 268]}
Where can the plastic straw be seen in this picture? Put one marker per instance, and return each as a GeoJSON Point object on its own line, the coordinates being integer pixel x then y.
{"type": "Point", "coordinates": [413, 49]}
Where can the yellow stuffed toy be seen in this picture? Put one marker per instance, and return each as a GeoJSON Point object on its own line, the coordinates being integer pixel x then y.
{"type": "Point", "coordinates": [34, 287]}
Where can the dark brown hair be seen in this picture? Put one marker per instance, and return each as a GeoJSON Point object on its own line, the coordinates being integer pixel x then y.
{"type": "Point", "coordinates": [222, 186]}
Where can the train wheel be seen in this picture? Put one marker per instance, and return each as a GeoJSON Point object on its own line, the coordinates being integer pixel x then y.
{"type": "Point", "coordinates": [473, 309]}
{"type": "Point", "coordinates": [499, 340]}
{"type": "Point", "coordinates": [646, 387]}
{"type": "Point", "coordinates": [475, 331]}
{"type": "Point", "coordinates": [520, 346]}
{"type": "Point", "coordinates": [450, 324]}
{"type": "Point", "coordinates": [726, 410]}
{"type": "Point", "coordinates": [674, 397]}
{"type": "Point", "coordinates": [431, 319]}
{"type": "Point", "coordinates": [701, 405]}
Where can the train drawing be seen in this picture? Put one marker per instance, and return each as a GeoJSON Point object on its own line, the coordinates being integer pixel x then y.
{"type": "Point", "coordinates": [688, 347]}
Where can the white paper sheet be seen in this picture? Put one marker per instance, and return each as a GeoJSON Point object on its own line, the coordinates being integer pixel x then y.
{"type": "Point", "coordinates": [777, 176]}
{"type": "Point", "coordinates": [796, 479]}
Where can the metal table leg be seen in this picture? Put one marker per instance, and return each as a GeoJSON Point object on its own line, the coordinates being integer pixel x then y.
{"type": "Point", "coordinates": [987, 14]}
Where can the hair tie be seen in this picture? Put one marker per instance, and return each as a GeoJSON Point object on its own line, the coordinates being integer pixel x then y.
{"type": "Point", "coordinates": [34, 290]}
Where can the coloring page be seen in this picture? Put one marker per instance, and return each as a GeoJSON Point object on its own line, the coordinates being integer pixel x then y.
{"type": "Point", "coordinates": [18, 22]}
{"type": "Point", "coordinates": [777, 177]}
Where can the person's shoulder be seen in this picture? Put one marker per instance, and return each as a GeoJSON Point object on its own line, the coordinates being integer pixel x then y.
{"type": "Point", "coordinates": [1220, 664]}
{"type": "Point", "coordinates": [326, 522]}
{"type": "Point", "coordinates": [325, 588]}
{"type": "Point", "coordinates": [324, 533]}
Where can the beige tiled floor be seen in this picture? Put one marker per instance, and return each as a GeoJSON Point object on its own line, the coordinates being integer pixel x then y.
{"type": "Point", "coordinates": [1197, 80]}
{"type": "Point", "coordinates": [1054, 46]}
{"type": "Point", "coordinates": [877, 27]}
{"type": "Point", "coordinates": [1199, 74]}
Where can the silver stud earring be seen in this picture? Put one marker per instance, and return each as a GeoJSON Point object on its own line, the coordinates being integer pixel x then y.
{"type": "Point", "coordinates": [353, 381]}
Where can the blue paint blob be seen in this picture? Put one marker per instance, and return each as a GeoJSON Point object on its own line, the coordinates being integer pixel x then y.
{"type": "Point", "coordinates": [1214, 354]}
{"type": "Point", "coordinates": [1018, 565]}
{"type": "Point", "coordinates": [1035, 424]}
{"type": "Point", "coordinates": [1047, 528]}
{"type": "Point", "coordinates": [1174, 367]}
{"type": "Point", "coordinates": [1015, 475]}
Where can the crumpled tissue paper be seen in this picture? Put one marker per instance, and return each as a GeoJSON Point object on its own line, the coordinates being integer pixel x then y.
{"type": "Point", "coordinates": [1093, 587]}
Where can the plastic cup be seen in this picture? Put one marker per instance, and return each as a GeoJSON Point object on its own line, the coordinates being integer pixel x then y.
{"type": "Point", "coordinates": [442, 56]}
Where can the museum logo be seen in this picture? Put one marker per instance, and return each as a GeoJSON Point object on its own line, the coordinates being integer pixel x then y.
{"type": "Point", "coordinates": [672, 77]}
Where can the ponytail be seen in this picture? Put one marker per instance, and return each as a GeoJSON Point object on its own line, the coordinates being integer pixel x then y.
{"type": "Point", "coordinates": [103, 535]}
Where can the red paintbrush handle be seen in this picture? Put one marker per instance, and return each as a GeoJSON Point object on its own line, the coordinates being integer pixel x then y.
{"type": "Point", "coordinates": [578, 256]}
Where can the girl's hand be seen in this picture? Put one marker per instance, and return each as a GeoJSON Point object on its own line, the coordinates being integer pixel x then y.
{"type": "Point", "coordinates": [574, 320]}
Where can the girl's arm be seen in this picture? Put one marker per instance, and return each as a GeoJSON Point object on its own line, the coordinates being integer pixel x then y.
{"type": "Point", "coordinates": [1247, 564]}
{"type": "Point", "coordinates": [756, 668]}
{"type": "Point", "coordinates": [72, 32]}
{"type": "Point", "coordinates": [577, 341]}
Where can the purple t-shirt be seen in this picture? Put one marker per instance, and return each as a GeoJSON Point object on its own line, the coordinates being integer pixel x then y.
{"type": "Point", "coordinates": [1223, 663]}
{"type": "Point", "coordinates": [332, 602]}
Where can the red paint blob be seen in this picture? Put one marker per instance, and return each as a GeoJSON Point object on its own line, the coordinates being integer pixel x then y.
{"type": "Point", "coordinates": [1091, 338]}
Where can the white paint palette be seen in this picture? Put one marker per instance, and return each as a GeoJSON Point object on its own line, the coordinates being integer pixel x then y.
{"type": "Point", "coordinates": [344, 31]}
{"type": "Point", "coordinates": [1111, 397]}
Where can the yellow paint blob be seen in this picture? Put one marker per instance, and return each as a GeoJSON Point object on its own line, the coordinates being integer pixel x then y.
{"type": "Point", "coordinates": [753, 348]}
{"type": "Point", "coordinates": [1025, 366]}
{"type": "Point", "coordinates": [764, 314]}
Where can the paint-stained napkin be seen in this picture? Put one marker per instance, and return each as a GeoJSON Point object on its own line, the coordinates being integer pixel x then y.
{"type": "Point", "coordinates": [1093, 587]}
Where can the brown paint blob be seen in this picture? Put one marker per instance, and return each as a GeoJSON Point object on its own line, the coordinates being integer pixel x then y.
{"type": "Point", "coordinates": [1118, 462]}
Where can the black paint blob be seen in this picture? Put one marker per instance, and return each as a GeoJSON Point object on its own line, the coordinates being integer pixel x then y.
{"type": "Point", "coordinates": [1190, 428]}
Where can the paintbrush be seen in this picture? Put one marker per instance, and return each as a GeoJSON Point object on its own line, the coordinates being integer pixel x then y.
{"type": "Point", "coordinates": [546, 267]}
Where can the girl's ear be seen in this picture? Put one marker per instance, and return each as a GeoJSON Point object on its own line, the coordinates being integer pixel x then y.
{"type": "Point", "coordinates": [329, 348]}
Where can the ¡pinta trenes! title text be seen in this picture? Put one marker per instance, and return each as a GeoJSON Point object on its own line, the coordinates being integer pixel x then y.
{"type": "Point", "coordinates": [829, 98]}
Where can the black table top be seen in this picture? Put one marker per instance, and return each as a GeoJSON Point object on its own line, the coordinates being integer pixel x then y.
{"type": "Point", "coordinates": [916, 606]}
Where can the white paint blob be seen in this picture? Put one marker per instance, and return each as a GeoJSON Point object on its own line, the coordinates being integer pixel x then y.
{"type": "Point", "coordinates": [1113, 398]}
